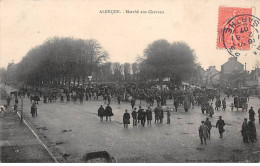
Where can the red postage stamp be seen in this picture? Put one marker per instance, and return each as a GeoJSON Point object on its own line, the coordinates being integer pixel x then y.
{"type": "Point", "coordinates": [239, 27]}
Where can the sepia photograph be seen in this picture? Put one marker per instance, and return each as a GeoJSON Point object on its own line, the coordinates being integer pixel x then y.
{"type": "Point", "coordinates": [129, 81]}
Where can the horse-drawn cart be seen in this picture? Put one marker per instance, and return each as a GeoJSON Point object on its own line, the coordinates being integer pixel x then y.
{"type": "Point", "coordinates": [240, 102]}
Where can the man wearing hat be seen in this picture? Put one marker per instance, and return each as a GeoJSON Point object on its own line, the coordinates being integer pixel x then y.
{"type": "Point", "coordinates": [220, 125]}
{"type": "Point", "coordinates": [252, 131]}
{"type": "Point", "coordinates": [224, 104]}
{"type": "Point", "coordinates": [251, 114]}
{"type": "Point", "coordinates": [208, 124]}
{"type": "Point", "coordinates": [139, 114]}
{"type": "Point", "coordinates": [245, 131]}
{"type": "Point", "coordinates": [108, 112]}
{"type": "Point", "coordinates": [203, 132]}
{"type": "Point", "coordinates": [134, 115]}
{"type": "Point", "coordinates": [101, 111]}
{"type": "Point", "coordinates": [211, 110]}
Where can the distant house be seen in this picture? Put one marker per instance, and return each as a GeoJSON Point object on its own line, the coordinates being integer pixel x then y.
{"type": "Point", "coordinates": [253, 79]}
{"type": "Point", "coordinates": [232, 74]}
{"type": "Point", "coordinates": [215, 79]}
{"type": "Point", "coordinates": [211, 76]}
{"type": "Point", "coordinates": [231, 66]}
{"type": "Point", "coordinates": [236, 80]}
{"type": "Point", "coordinates": [257, 75]}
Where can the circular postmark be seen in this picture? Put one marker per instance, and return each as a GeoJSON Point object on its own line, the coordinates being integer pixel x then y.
{"type": "Point", "coordinates": [241, 35]}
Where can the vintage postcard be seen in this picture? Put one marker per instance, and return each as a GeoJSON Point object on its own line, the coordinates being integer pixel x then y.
{"type": "Point", "coordinates": [129, 81]}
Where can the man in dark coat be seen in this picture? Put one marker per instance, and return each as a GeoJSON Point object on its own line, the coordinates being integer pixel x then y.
{"type": "Point", "coordinates": [211, 110]}
{"type": "Point", "coordinates": [108, 112]}
{"type": "Point", "coordinates": [139, 114]}
{"type": "Point", "coordinates": [149, 115]}
{"type": "Point", "coordinates": [34, 110]}
{"type": "Point", "coordinates": [101, 111]}
{"type": "Point", "coordinates": [203, 132]}
{"type": "Point", "coordinates": [161, 114]}
{"type": "Point", "coordinates": [132, 102]}
{"type": "Point", "coordinates": [252, 131]}
{"type": "Point", "coordinates": [143, 117]}
{"type": "Point", "coordinates": [251, 114]}
{"type": "Point", "coordinates": [134, 116]}
{"type": "Point", "coordinates": [203, 107]}
{"type": "Point", "coordinates": [126, 119]}
{"type": "Point", "coordinates": [224, 104]}
{"type": "Point", "coordinates": [208, 124]}
{"type": "Point", "coordinates": [156, 114]}
{"type": "Point", "coordinates": [245, 131]}
{"type": "Point", "coordinates": [36, 99]}
{"type": "Point", "coordinates": [217, 104]}
{"type": "Point", "coordinates": [220, 125]}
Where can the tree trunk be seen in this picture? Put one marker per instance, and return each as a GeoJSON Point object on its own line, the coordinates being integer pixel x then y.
{"type": "Point", "coordinates": [160, 80]}
{"type": "Point", "coordinates": [83, 80]}
{"type": "Point", "coordinates": [69, 82]}
{"type": "Point", "coordinates": [96, 76]}
{"type": "Point", "coordinates": [78, 80]}
{"type": "Point", "coordinates": [74, 81]}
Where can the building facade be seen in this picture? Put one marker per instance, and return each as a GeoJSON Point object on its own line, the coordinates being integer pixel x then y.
{"type": "Point", "coordinates": [232, 74]}
{"type": "Point", "coordinates": [211, 76]}
{"type": "Point", "coordinates": [253, 79]}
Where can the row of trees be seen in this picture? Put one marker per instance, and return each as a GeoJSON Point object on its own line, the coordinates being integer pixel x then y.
{"type": "Point", "coordinates": [66, 60]}
{"type": "Point", "coordinates": [119, 72]}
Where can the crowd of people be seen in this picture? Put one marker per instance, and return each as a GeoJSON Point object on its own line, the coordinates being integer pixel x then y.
{"type": "Point", "coordinates": [181, 96]}
{"type": "Point", "coordinates": [142, 116]}
{"type": "Point", "coordinates": [107, 112]}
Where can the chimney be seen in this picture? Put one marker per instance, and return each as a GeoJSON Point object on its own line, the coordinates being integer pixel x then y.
{"type": "Point", "coordinates": [232, 58]}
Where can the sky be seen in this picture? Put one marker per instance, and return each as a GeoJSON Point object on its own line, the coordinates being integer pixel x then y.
{"type": "Point", "coordinates": [25, 24]}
